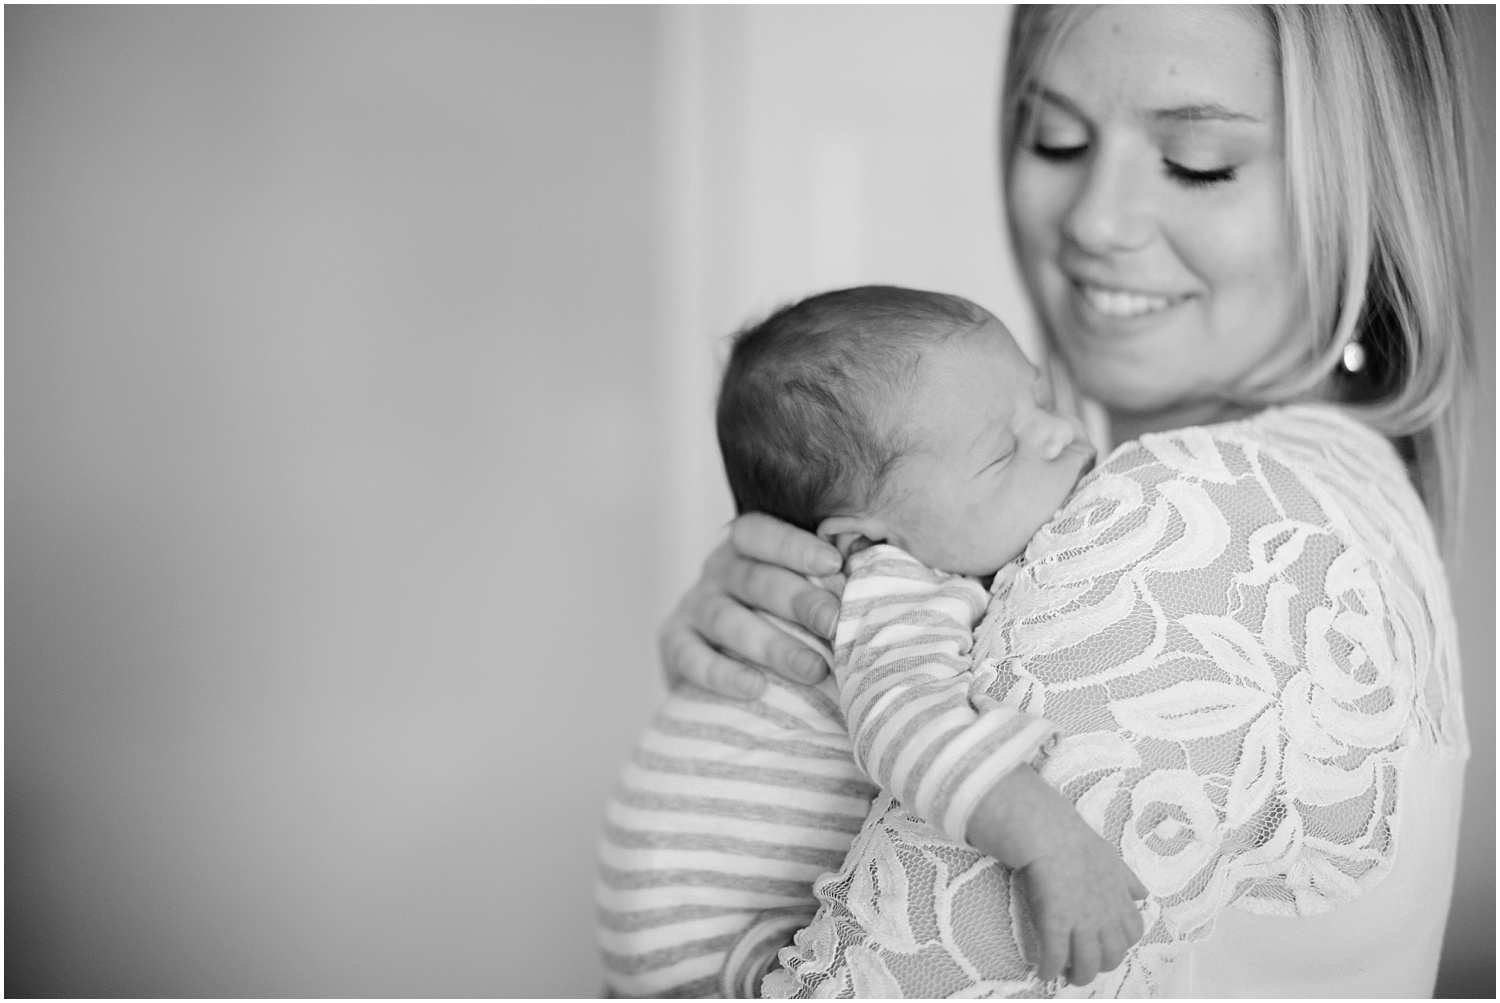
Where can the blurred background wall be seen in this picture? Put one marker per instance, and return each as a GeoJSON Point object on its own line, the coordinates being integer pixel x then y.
{"type": "Point", "coordinates": [331, 477]}
{"type": "Point", "coordinates": [358, 369]}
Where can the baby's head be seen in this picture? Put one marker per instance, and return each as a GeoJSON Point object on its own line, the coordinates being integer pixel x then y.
{"type": "Point", "coordinates": [897, 416]}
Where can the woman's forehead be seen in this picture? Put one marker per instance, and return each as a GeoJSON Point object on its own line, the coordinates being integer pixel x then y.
{"type": "Point", "coordinates": [1174, 62]}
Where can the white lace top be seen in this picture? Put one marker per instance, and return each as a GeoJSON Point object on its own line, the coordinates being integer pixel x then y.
{"type": "Point", "coordinates": [1242, 632]}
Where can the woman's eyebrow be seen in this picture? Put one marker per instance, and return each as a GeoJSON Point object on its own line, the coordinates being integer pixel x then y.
{"type": "Point", "coordinates": [1200, 111]}
{"type": "Point", "coordinates": [1210, 111]}
{"type": "Point", "coordinates": [1039, 93]}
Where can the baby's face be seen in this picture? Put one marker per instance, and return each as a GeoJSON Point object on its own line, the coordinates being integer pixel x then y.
{"type": "Point", "coordinates": [992, 459]}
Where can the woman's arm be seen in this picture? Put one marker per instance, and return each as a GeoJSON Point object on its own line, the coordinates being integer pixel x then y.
{"type": "Point", "coordinates": [714, 638]}
{"type": "Point", "coordinates": [1234, 644]}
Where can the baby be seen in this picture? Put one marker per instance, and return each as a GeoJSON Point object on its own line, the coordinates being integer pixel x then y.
{"type": "Point", "coordinates": [871, 416]}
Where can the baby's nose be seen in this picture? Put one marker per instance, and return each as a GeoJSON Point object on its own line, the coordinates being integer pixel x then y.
{"type": "Point", "coordinates": [1054, 434]}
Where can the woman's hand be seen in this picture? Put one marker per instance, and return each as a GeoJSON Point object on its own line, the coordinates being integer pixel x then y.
{"type": "Point", "coordinates": [714, 637]}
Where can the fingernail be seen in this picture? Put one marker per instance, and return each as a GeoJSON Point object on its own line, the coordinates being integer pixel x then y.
{"type": "Point", "coordinates": [826, 562]}
{"type": "Point", "coordinates": [809, 666]}
{"type": "Point", "coordinates": [826, 619]}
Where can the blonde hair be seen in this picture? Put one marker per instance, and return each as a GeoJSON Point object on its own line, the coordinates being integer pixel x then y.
{"type": "Point", "coordinates": [1379, 148]}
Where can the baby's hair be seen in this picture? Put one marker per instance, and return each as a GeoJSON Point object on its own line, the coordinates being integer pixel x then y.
{"type": "Point", "coordinates": [802, 407]}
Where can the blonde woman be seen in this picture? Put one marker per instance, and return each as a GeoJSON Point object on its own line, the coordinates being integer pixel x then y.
{"type": "Point", "coordinates": [1245, 232]}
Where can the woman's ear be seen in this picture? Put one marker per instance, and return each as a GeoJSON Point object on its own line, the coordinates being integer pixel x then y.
{"type": "Point", "coordinates": [852, 533]}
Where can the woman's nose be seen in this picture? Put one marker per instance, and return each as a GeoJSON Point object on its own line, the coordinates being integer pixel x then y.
{"type": "Point", "coordinates": [1107, 213]}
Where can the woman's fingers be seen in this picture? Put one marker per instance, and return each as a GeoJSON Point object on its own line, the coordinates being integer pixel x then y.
{"type": "Point", "coordinates": [768, 540]}
{"type": "Point", "coordinates": [769, 587]}
{"type": "Point", "coordinates": [739, 632]}
{"type": "Point", "coordinates": [713, 640]}
{"type": "Point", "coordinates": [716, 639]}
{"type": "Point", "coordinates": [764, 566]}
{"type": "Point", "coordinates": [686, 657]}
{"type": "Point", "coordinates": [778, 591]}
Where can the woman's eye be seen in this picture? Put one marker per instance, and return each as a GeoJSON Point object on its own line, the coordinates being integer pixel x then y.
{"type": "Point", "coordinates": [1058, 151]}
{"type": "Point", "coordinates": [1053, 133]}
{"type": "Point", "coordinates": [1197, 178]}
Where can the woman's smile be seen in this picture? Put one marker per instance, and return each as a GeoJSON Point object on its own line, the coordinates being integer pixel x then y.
{"type": "Point", "coordinates": [1124, 304]}
{"type": "Point", "coordinates": [1149, 212]}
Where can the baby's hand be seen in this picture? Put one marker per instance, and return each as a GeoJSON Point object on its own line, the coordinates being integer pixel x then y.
{"type": "Point", "coordinates": [1080, 896]}
{"type": "Point", "coordinates": [1081, 901]}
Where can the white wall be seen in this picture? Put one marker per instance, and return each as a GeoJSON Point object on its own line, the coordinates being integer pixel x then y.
{"type": "Point", "coordinates": [331, 476]}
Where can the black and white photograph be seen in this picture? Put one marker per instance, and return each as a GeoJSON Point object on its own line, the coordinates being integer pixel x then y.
{"type": "Point", "coordinates": [772, 501]}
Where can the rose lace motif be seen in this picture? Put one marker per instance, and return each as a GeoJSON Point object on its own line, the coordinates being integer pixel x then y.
{"type": "Point", "coordinates": [1239, 630]}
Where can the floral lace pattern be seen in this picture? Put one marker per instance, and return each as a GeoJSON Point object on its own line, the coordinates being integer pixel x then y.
{"type": "Point", "coordinates": [1240, 630]}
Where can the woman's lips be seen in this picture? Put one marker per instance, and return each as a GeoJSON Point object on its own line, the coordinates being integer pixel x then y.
{"type": "Point", "coordinates": [1124, 304]}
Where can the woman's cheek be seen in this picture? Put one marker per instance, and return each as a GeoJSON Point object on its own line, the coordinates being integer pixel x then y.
{"type": "Point", "coordinates": [1242, 254]}
{"type": "Point", "coordinates": [1036, 202]}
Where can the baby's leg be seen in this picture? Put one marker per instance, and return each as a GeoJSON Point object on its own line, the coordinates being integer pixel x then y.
{"type": "Point", "coordinates": [726, 814]}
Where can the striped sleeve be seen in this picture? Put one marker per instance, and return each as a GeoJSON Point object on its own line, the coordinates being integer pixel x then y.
{"type": "Point", "coordinates": [921, 725]}
{"type": "Point", "coordinates": [723, 818]}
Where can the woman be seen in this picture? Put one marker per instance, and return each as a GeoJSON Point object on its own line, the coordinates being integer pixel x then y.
{"type": "Point", "coordinates": [1245, 233]}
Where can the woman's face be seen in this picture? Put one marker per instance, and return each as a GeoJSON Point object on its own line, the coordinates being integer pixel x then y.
{"type": "Point", "coordinates": [1148, 207]}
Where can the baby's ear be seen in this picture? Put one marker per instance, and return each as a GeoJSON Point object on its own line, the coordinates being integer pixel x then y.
{"type": "Point", "coordinates": [852, 533]}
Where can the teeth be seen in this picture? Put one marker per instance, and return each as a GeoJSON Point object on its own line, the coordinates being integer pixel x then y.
{"type": "Point", "coordinates": [1118, 303]}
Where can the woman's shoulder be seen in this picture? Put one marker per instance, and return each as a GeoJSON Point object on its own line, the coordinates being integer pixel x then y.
{"type": "Point", "coordinates": [1303, 438]}
{"type": "Point", "coordinates": [1314, 463]}
{"type": "Point", "coordinates": [1203, 512]}
{"type": "Point", "coordinates": [1296, 512]}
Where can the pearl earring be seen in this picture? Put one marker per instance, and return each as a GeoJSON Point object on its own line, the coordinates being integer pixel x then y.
{"type": "Point", "coordinates": [1354, 355]}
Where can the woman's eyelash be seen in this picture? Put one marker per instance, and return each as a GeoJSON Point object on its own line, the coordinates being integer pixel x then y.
{"type": "Point", "coordinates": [1199, 179]}
{"type": "Point", "coordinates": [1186, 175]}
{"type": "Point", "coordinates": [1058, 152]}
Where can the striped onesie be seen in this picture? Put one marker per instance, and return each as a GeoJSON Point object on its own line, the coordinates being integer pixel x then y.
{"type": "Point", "coordinates": [729, 810]}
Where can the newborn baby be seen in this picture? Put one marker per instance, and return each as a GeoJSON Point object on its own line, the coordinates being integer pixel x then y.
{"type": "Point", "coordinates": [871, 416]}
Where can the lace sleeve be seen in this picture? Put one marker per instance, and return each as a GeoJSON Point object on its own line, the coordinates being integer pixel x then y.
{"type": "Point", "coordinates": [923, 724]}
{"type": "Point", "coordinates": [1232, 674]}
{"type": "Point", "coordinates": [1229, 628]}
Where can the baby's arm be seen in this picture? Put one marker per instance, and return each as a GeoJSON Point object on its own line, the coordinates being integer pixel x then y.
{"type": "Point", "coordinates": [1079, 894]}
{"type": "Point", "coordinates": [925, 728]}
